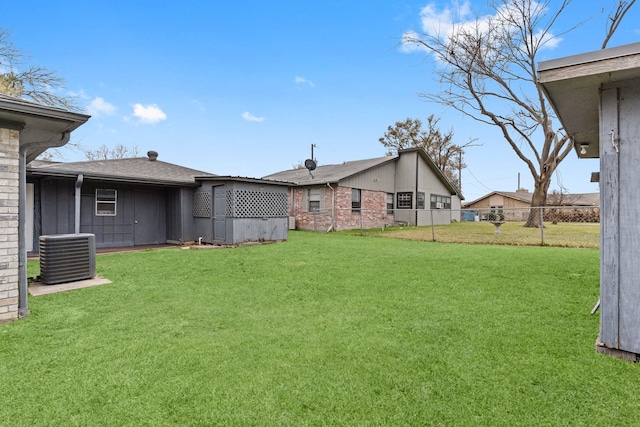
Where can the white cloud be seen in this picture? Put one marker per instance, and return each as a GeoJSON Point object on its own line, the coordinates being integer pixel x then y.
{"type": "Point", "coordinates": [148, 113]}
{"type": "Point", "coordinates": [251, 118]}
{"type": "Point", "coordinates": [199, 105]}
{"type": "Point", "coordinates": [452, 19]}
{"type": "Point", "coordinates": [301, 80]}
{"type": "Point", "coordinates": [99, 107]}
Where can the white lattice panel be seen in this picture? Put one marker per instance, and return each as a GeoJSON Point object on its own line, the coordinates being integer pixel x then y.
{"type": "Point", "coordinates": [202, 205]}
{"type": "Point", "coordinates": [251, 204]}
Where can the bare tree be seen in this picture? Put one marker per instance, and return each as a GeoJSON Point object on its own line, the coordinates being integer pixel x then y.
{"type": "Point", "coordinates": [614, 19]}
{"type": "Point", "coordinates": [105, 153]}
{"type": "Point", "coordinates": [30, 82]}
{"type": "Point", "coordinates": [439, 145]}
{"type": "Point", "coordinates": [487, 70]}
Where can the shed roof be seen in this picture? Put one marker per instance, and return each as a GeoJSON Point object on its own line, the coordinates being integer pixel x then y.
{"type": "Point", "coordinates": [572, 85]}
{"type": "Point", "coordinates": [135, 170]}
{"type": "Point", "coordinates": [230, 178]}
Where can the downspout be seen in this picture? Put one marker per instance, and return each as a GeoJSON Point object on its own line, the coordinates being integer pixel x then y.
{"type": "Point", "coordinates": [23, 308]}
{"type": "Point", "coordinates": [78, 199]}
{"type": "Point", "coordinates": [333, 208]}
{"type": "Point", "coordinates": [417, 184]}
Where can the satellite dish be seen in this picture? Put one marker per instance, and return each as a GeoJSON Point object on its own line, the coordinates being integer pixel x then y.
{"type": "Point", "coordinates": [310, 164]}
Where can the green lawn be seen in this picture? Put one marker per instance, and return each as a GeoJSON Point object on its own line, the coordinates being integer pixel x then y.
{"type": "Point", "coordinates": [324, 329]}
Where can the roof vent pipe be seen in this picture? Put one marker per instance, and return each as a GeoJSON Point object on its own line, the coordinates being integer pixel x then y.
{"type": "Point", "coordinates": [153, 155]}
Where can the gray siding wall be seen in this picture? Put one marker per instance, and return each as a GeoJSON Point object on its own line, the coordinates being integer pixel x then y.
{"type": "Point", "coordinates": [620, 202]}
{"type": "Point", "coordinates": [381, 178]}
{"type": "Point", "coordinates": [180, 224]}
{"type": "Point", "coordinates": [145, 204]}
{"type": "Point", "coordinates": [252, 212]}
{"type": "Point", "coordinates": [258, 229]}
{"type": "Point", "coordinates": [427, 183]}
{"type": "Point", "coordinates": [57, 206]}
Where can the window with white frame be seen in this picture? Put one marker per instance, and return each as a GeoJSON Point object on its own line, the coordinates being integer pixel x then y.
{"type": "Point", "coordinates": [356, 202]}
{"type": "Point", "coordinates": [420, 201]}
{"type": "Point", "coordinates": [106, 200]}
{"type": "Point", "coordinates": [314, 200]}
{"type": "Point", "coordinates": [440, 202]}
{"type": "Point", "coordinates": [390, 203]}
{"type": "Point", "coordinates": [405, 200]}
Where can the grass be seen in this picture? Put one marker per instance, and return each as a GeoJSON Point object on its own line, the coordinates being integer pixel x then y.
{"type": "Point", "coordinates": [324, 329]}
{"type": "Point", "coordinates": [573, 235]}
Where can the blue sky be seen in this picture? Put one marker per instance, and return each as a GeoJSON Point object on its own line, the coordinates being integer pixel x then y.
{"type": "Point", "coordinates": [244, 88]}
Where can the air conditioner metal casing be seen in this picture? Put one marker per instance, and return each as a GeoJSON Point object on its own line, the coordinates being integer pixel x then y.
{"type": "Point", "coordinates": [67, 258]}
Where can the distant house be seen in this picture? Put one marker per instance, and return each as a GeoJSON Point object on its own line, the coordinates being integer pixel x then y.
{"type": "Point", "coordinates": [406, 188]}
{"type": "Point", "coordinates": [515, 205]}
{"type": "Point", "coordinates": [143, 201]}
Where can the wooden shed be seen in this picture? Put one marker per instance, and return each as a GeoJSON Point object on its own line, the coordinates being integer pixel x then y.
{"type": "Point", "coordinates": [597, 98]}
{"type": "Point", "coordinates": [231, 210]}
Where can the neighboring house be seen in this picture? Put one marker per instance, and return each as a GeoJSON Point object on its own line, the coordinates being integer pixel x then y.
{"type": "Point", "coordinates": [27, 129]}
{"type": "Point", "coordinates": [406, 188]}
{"type": "Point", "coordinates": [142, 201]}
{"type": "Point", "coordinates": [597, 100]}
{"type": "Point", "coordinates": [515, 205]}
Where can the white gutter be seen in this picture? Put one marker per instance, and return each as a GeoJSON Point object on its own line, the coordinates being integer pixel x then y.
{"type": "Point", "coordinates": [333, 208]}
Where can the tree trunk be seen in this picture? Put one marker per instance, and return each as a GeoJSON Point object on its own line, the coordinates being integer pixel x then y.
{"type": "Point", "coordinates": [538, 200]}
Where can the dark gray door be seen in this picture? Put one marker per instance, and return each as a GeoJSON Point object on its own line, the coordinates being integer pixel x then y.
{"type": "Point", "coordinates": [146, 218]}
{"type": "Point", "coordinates": [219, 214]}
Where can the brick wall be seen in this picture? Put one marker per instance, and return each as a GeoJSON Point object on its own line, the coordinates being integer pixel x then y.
{"type": "Point", "coordinates": [373, 212]}
{"type": "Point", "coordinates": [9, 176]}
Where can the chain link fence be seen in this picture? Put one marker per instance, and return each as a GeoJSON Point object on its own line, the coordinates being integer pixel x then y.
{"type": "Point", "coordinates": [567, 226]}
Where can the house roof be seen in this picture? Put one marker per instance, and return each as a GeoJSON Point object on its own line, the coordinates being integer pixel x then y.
{"type": "Point", "coordinates": [516, 195]}
{"type": "Point", "coordinates": [577, 199]}
{"type": "Point", "coordinates": [328, 173]}
{"type": "Point", "coordinates": [138, 170]}
{"type": "Point", "coordinates": [40, 126]}
{"type": "Point", "coordinates": [335, 173]}
{"type": "Point", "coordinates": [572, 84]}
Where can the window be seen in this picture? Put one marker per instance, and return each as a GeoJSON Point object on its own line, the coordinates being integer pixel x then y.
{"type": "Point", "coordinates": [389, 203]}
{"type": "Point", "coordinates": [355, 200]}
{"type": "Point", "coordinates": [405, 200]}
{"type": "Point", "coordinates": [420, 201]}
{"type": "Point", "coordinates": [440, 202]}
{"type": "Point", "coordinates": [497, 213]}
{"type": "Point", "coordinates": [106, 202]}
{"type": "Point", "coordinates": [314, 200]}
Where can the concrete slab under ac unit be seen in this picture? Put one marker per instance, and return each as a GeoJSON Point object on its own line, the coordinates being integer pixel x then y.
{"type": "Point", "coordinates": [37, 288]}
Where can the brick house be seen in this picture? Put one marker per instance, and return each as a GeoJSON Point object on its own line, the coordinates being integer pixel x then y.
{"type": "Point", "coordinates": [406, 188]}
{"type": "Point", "coordinates": [26, 130]}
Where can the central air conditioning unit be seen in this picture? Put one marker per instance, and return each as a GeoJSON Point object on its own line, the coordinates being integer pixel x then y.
{"type": "Point", "coordinates": [67, 258]}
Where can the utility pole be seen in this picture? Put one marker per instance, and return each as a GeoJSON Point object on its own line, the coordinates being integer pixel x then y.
{"type": "Point", "coordinates": [460, 171]}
